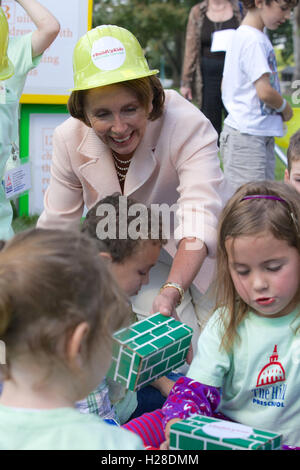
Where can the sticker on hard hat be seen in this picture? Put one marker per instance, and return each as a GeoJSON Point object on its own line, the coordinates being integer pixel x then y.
{"type": "Point", "coordinates": [108, 53]}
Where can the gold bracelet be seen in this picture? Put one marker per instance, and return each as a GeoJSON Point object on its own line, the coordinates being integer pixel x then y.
{"type": "Point", "coordinates": [175, 286]}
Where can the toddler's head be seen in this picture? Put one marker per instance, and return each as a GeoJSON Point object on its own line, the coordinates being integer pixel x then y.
{"type": "Point", "coordinates": [292, 173]}
{"type": "Point", "coordinates": [59, 306]}
{"type": "Point", "coordinates": [124, 230]}
{"type": "Point", "coordinates": [258, 261]}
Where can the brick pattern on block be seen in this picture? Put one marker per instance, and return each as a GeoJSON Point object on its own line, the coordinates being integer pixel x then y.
{"type": "Point", "coordinates": [188, 434]}
{"type": "Point", "coordinates": [148, 350]}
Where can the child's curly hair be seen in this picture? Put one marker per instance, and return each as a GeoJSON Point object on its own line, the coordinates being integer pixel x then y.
{"type": "Point", "coordinates": [122, 245]}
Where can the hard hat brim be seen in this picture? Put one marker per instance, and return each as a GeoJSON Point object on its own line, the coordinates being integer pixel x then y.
{"type": "Point", "coordinates": [7, 71]}
{"type": "Point", "coordinates": [120, 77]}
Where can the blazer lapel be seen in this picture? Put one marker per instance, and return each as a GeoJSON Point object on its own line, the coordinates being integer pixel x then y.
{"type": "Point", "coordinates": [140, 170]}
{"type": "Point", "coordinates": [144, 162]}
{"type": "Point", "coordinates": [99, 169]}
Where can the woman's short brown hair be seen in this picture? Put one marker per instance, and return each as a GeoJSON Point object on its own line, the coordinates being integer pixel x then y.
{"type": "Point", "coordinates": [146, 89]}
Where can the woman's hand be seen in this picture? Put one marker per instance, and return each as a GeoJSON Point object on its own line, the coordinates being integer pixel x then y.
{"type": "Point", "coordinates": [186, 92]}
{"type": "Point", "coordinates": [166, 301]}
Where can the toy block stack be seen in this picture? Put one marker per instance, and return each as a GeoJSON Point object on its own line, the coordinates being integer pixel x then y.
{"type": "Point", "coordinates": [148, 349]}
{"type": "Point", "coordinates": [204, 433]}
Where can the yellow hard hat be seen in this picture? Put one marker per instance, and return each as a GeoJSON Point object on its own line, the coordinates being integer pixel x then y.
{"type": "Point", "coordinates": [6, 67]}
{"type": "Point", "coordinates": [108, 54]}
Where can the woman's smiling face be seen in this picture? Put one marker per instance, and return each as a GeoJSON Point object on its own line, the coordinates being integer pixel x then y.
{"type": "Point", "coordinates": [117, 117]}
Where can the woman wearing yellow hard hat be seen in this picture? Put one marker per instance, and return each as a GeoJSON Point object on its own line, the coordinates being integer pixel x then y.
{"type": "Point", "coordinates": [128, 135]}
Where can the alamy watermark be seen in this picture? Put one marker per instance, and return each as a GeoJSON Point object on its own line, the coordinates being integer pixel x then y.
{"type": "Point", "coordinates": [156, 221]}
{"type": "Point", "coordinates": [295, 96]}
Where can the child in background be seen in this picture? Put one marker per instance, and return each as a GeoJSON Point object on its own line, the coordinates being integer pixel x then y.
{"type": "Point", "coordinates": [130, 260]}
{"type": "Point", "coordinates": [251, 95]}
{"type": "Point", "coordinates": [24, 54]}
{"type": "Point", "coordinates": [250, 346]}
{"type": "Point", "coordinates": [292, 173]}
{"type": "Point", "coordinates": [59, 307]}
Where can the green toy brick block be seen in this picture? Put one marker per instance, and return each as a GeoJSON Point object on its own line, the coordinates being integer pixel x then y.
{"type": "Point", "coordinates": [148, 350]}
{"type": "Point", "coordinates": [202, 432]}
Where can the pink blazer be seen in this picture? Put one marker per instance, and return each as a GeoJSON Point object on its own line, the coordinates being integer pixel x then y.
{"type": "Point", "coordinates": [176, 163]}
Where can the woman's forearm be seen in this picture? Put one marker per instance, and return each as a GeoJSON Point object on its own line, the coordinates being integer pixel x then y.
{"type": "Point", "coordinates": [187, 262]}
{"type": "Point", "coordinates": [186, 265]}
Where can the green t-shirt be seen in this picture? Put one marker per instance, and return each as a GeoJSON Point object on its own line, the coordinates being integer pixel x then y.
{"type": "Point", "coordinates": [61, 429]}
{"type": "Point", "coordinates": [20, 53]}
{"type": "Point", "coordinates": [259, 376]}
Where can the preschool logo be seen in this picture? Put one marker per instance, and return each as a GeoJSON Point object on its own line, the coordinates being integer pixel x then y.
{"type": "Point", "coordinates": [8, 187]}
{"type": "Point", "coordinates": [272, 372]}
{"type": "Point", "coordinates": [266, 392]}
{"type": "Point", "coordinates": [108, 53]}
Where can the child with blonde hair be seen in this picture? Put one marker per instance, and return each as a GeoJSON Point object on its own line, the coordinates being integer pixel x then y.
{"type": "Point", "coordinates": [250, 347]}
{"type": "Point", "coordinates": [59, 306]}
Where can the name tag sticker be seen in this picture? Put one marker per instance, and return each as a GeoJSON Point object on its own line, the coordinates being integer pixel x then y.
{"type": "Point", "coordinates": [221, 40]}
{"type": "Point", "coordinates": [17, 181]}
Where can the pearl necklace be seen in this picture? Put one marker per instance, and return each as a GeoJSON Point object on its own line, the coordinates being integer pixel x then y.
{"type": "Point", "coordinates": [121, 168]}
{"type": "Point", "coordinates": [119, 160]}
{"type": "Point", "coordinates": [121, 176]}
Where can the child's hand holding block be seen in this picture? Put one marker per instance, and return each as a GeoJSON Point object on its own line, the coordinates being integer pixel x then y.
{"type": "Point", "coordinates": [204, 433]}
{"type": "Point", "coordinates": [148, 350]}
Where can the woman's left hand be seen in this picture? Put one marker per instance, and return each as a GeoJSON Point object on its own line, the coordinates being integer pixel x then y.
{"type": "Point", "coordinates": [165, 302]}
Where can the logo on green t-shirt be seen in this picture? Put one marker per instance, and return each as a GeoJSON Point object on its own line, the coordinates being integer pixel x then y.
{"type": "Point", "coordinates": [266, 392]}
